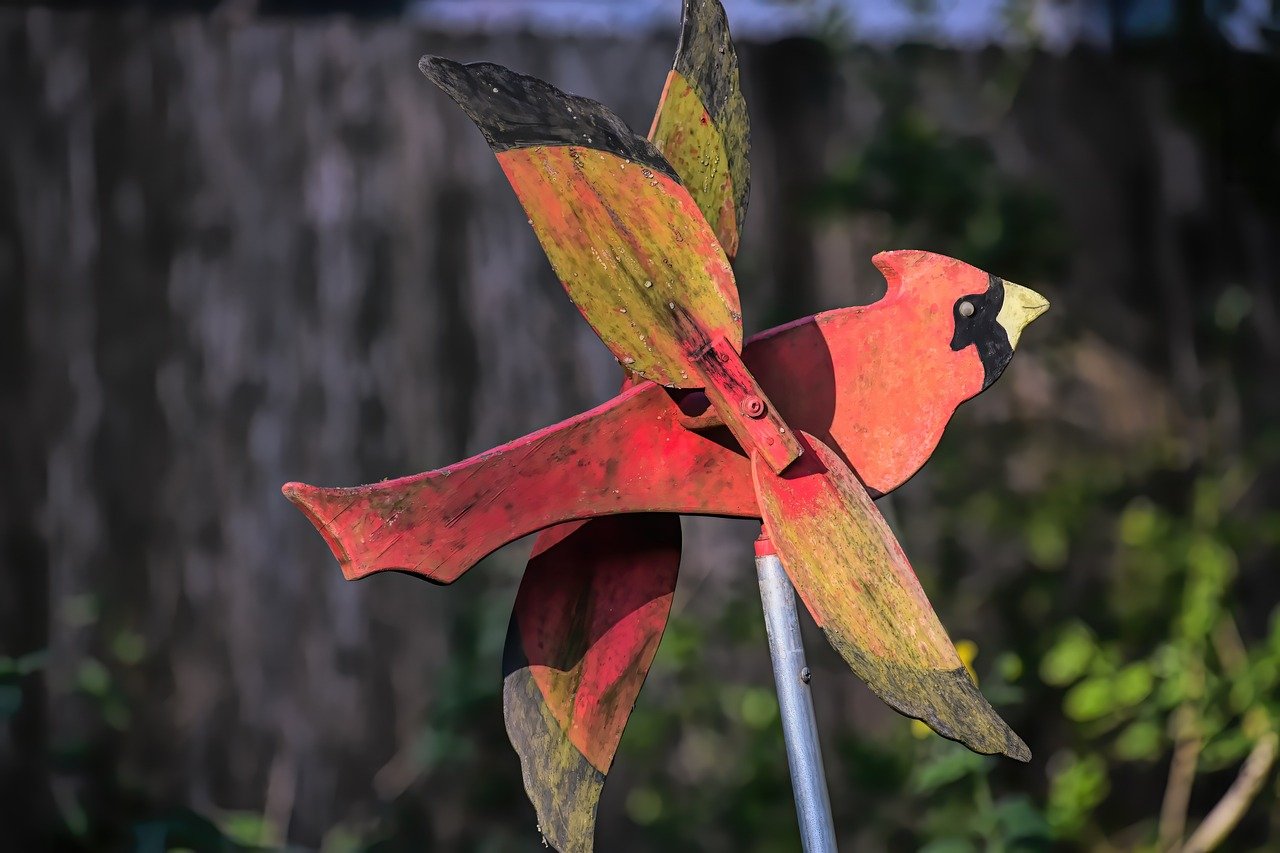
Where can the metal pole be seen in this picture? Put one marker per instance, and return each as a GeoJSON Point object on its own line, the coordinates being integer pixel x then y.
{"type": "Point", "coordinates": [791, 675]}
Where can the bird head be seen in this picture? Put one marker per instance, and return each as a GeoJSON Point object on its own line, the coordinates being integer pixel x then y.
{"type": "Point", "coordinates": [974, 309]}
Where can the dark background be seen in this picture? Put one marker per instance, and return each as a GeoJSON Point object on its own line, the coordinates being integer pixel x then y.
{"type": "Point", "coordinates": [246, 243]}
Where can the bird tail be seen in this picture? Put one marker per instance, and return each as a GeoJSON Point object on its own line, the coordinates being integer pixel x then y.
{"type": "Point", "coordinates": [628, 455]}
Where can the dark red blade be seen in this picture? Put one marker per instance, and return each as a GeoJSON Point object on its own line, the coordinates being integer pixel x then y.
{"type": "Point", "coordinates": [587, 622]}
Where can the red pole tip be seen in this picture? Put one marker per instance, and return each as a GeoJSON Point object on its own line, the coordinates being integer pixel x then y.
{"type": "Point", "coordinates": [764, 545]}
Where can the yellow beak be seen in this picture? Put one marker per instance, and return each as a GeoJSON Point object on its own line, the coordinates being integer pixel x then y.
{"type": "Point", "coordinates": [1021, 306]}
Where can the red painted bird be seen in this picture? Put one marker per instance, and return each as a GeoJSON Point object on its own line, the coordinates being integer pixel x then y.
{"type": "Point", "coordinates": [877, 384]}
{"type": "Point", "coordinates": [868, 388]}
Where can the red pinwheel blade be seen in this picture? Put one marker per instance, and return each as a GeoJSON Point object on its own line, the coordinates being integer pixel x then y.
{"type": "Point", "coordinates": [856, 582]}
{"type": "Point", "coordinates": [623, 234]}
{"type": "Point", "coordinates": [587, 622]}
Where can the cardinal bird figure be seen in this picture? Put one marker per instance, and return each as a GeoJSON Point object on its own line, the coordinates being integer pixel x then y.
{"type": "Point", "coordinates": [800, 426]}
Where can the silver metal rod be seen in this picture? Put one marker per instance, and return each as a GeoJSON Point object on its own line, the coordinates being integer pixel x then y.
{"type": "Point", "coordinates": [791, 675]}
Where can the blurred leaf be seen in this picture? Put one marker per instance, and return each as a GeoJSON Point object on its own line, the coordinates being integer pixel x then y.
{"type": "Point", "coordinates": [248, 829]}
{"type": "Point", "coordinates": [128, 647]}
{"type": "Point", "coordinates": [1075, 788]}
{"type": "Point", "coordinates": [1009, 665]}
{"type": "Point", "coordinates": [1047, 542]}
{"type": "Point", "coordinates": [1139, 523]}
{"type": "Point", "coordinates": [759, 707]}
{"type": "Point", "coordinates": [10, 700]}
{"type": "Point", "coordinates": [954, 764]}
{"type": "Point", "coordinates": [93, 678]}
{"type": "Point", "coordinates": [1226, 750]}
{"type": "Point", "coordinates": [1091, 699]}
{"type": "Point", "coordinates": [178, 830]}
{"type": "Point", "coordinates": [1140, 741]}
{"type": "Point", "coordinates": [1132, 684]}
{"type": "Point", "coordinates": [1019, 820]}
{"type": "Point", "coordinates": [1070, 656]}
{"type": "Point", "coordinates": [33, 662]}
{"type": "Point", "coordinates": [644, 806]}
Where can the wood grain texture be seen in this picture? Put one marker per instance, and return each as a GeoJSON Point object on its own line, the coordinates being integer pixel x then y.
{"type": "Point", "coordinates": [587, 621]}
{"type": "Point", "coordinates": [856, 582]}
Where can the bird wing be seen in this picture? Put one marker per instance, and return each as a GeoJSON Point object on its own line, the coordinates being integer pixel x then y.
{"type": "Point", "coordinates": [621, 230]}
{"type": "Point", "coordinates": [856, 582]}
{"type": "Point", "coordinates": [588, 618]}
{"type": "Point", "coordinates": [701, 126]}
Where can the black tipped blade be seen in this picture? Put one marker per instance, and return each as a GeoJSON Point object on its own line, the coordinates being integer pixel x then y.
{"type": "Point", "coordinates": [518, 111]}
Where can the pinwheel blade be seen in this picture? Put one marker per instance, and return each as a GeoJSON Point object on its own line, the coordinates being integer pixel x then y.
{"type": "Point", "coordinates": [856, 582]}
{"type": "Point", "coordinates": [587, 622]}
{"type": "Point", "coordinates": [623, 234]}
{"type": "Point", "coordinates": [701, 126]}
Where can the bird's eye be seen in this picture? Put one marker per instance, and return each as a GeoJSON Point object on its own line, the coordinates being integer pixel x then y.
{"type": "Point", "coordinates": [966, 308]}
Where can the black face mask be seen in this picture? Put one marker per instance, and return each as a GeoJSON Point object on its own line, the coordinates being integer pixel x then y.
{"type": "Point", "coordinates": [981, 330]}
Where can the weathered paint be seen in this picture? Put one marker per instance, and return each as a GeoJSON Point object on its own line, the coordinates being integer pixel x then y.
{"type": "Point", "coordinates": [596, 562]}
{"type": "Point", "coordinates": [877, 384]}
{"type": "Point", "coordinates": [692, 143]}
{"type": "Point", "coordinates": [707, 62]}
{"type": "Point", "coordinates": [628, 455]}
{"type": "Point", "coordinates": [743, 406]}
{"type": "Point", "coordinates": [881, 382]}
{"type": "Point", "coordinates": [597, 592]}
{"type": "Point", "coordinates": [515, 111]}
{"type": "Point", "coordinates": [634, 254]}
{"type": "Point", "coordinates": [587, 620]}
{"type": "Point", "coordinates": [623, 234]}
{"type": "Point", "coordinates": [855, 580]}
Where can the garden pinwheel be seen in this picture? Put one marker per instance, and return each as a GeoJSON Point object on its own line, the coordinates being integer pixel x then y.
{"type": "Point", "coordinates": [800, 427]}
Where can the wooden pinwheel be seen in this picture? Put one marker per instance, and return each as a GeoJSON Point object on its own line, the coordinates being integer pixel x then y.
{"type": "Point", "coordinates": [801, 427]}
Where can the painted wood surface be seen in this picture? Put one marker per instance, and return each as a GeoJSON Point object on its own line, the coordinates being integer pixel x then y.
{"type": "Point", "coordinates": [856, 582]}
{"type": "Point", "coordinates": [878, 384]}
{"type": "Point", "coordinates": [587, 621]}
{"type": "Point", "coordinates": [647, 264]}
{"type": "Point", "coordinates": [630, 454]}
{"type": "Point", "coordinates": [701, 126]}
{"type": "Point", "coordinates": [594, 563]}
{"type": "Point", "coordinates": [623, 234]}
